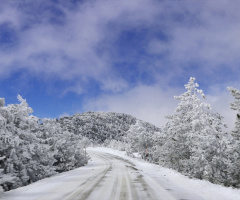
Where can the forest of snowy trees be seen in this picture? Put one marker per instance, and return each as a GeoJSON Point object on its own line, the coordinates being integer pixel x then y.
{"type": "Point", "coordinates": [193, 140]}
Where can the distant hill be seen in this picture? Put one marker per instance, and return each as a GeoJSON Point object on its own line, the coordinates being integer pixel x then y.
{"type": "Point", "coordinates": [101, 126]}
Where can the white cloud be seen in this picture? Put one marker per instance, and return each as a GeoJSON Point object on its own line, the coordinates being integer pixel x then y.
{"type": "Point", "coordinates": [152, 104]}
{"type": "Point", "coordinates": [149, 103]}
{"type": "Point", "coordinates": [116, 85]}
{"type": "Point", "coordinates": [78, 89]}
{"type": "Point", "coordinates": [220, 100]}
{"type": "Point", "coordinates": [73, 51]}
{"type": "Point", "coordinates": [205, 33]}
{"type": "Point", "coordinates": [9, 15]}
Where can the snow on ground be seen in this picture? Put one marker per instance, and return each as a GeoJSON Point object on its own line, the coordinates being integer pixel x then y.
{"type": "Point", "coordinates": [167, 183]}
{"type": "Point", "coordinates": [55, 187]}
{"type": "Point", "coordinates": [179, 184]}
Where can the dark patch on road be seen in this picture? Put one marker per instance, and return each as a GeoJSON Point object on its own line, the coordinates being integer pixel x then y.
{"type": "Point", "coordinates": [120, 158]}
{"type": "Point", "coordinates": [134, 168]}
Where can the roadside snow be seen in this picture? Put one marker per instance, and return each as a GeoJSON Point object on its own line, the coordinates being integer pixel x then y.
{"type": "Point", "coordinates": [179, 185]}
{"type": "Point", "coordinates": [55, 187]}
{"type": "Point", "coordinates": [170, 182]}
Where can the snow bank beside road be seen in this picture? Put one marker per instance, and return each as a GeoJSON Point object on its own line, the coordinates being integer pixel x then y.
{"type": "Point", "coordinates": [178, 184]}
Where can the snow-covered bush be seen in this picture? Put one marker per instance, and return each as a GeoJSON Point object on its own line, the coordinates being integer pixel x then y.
{"type": "Point", "coordinates": [70, 152]}
{"type": "Point", "coordinates": [118, 145]}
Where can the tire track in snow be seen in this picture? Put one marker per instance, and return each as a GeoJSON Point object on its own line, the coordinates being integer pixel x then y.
{"type": "Point", "coordinates": [107, 177]}
{"type": "Point", "coordinates": [123, 193]}
{"type": "Point", "coordinates": [90, 184]}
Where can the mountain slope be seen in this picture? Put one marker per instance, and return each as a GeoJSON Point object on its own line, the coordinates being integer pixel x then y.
{"type": "Point", "coordinates": [102, 126]}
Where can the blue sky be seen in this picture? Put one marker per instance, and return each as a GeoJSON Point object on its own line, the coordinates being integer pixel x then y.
{"type": "Point", "coordinates": [124, 56]}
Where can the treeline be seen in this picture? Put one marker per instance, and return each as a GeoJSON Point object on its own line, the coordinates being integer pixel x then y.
{"type": "Point", "coordinates": [99, 127]}
{"type": "Point", "coordinates": [31, 149]}
{"type": "Point", "coordinates": [193, 141]}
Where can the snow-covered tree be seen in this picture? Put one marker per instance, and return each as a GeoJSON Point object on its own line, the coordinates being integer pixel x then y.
{"type": "Point", "coordinates": [141, 138]}
{"type": "Point", "coordinates": [31, 150]}
{"type": "Point", "coordinates": [194, 137]}
{"type": "Point", "coordinates": [67, 148]}
{"type": "Point", "coordinates": [234, 147]}
{"type": "Point", "coordinates": [24, 158]}
{"type": "Point", "coordinates": [236, 106]}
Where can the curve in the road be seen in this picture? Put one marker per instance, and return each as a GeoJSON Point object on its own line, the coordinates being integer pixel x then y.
{"type": "Point", "coordinates": [106, 177]}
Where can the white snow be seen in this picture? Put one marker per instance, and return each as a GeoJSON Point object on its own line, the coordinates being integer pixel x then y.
{"type": "Point", "coordinates": [182, 186]}
{"type": "Point", "coordinates": [171, 182]}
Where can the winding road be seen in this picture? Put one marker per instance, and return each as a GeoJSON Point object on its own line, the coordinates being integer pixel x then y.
{"type": "Point", "coordinates": [106, 177]}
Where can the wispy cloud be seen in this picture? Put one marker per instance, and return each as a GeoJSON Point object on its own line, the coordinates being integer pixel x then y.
{"type": "Point", "coordinates": [82, 43]}
{"type": "Point", "coordinates": [73, 49]}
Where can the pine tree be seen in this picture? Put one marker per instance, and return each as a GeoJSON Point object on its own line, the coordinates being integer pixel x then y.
{"type": "Point", "coordinates": [142, 138]}
{"type": "Point", "coordinates": [236, 106]}
{"type": "Point", "coordinates": [194, 145]}
{"type": "Point", "coordinates": [234, 147]}
{"type": "Point", "coordinates": [24, 159]}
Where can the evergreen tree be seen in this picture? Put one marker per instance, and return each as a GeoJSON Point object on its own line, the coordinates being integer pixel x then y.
{"type": "Point", "coordinates": [194, 145]}
{"type": "Point", "coordinates": [234, 147]}
{"type": "Point", "coordinates": [236, 106]}
{"type": "Point", "coordinates": [142, 138]}
{"type": "Point", "coordinates": [66, 147]}
{"type": "Point", "coordinates": [24, 158]}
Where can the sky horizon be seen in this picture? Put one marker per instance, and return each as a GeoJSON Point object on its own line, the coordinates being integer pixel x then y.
{"type": "Point", "coordinates": [133, 57]}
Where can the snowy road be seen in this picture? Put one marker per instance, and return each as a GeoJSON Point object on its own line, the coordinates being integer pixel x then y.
{"type": "Point", "coordinates": [106, 177]}
{"type": "Point", "coordinates": [118, 178]}
{"type": "Point", "coordinates": [114, 176]}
